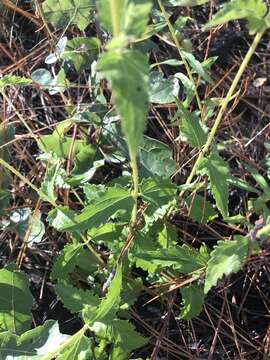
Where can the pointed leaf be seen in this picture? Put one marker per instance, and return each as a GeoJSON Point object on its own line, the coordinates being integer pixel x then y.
{"type": "Point", "coordinates": [192, 301]}
{"type": "Point", "coordinates": [15, 302]}
{"type": "Point", "coordinates": [127, 73]}
{"type": "Point", "coordinates": [217, 171]}
{"type": "Point", "coordinates": [252, 10]}
{"type": "Point", "coordinates": [95, 214]}
{"type": "Point", "coordinates": [225, 259]}
{"type": "Point", "coordinates": [192, 130]}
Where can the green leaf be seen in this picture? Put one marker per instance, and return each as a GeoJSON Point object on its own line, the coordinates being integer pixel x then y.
{"type": "Point", "coordinates": [226, 258]}
{"type": "Point", "coordinates": [8, 80]}
{"type": "Point", "coordinates": [191, 129]}
{"type": "Point", "coordinates": [54, 84]}
{"type": "Point", "coordinates": [123, 68]}
{"type": "Point", "coordinates": [86, 164]}
{"type": "Point", "coordinates": [94, 215]}
{"type": "Point", "coordinates": [260, 180]}
{"type": "Point", "coordinates": [21, 220]}
{"type": "Point", "coordinates": [66, 12]}
{"type": "Point", "coordinates": [252, 10]}
{"type": "Point", "coordinates": [71, 257]}
{"type": "Point", "coordinates": [123, 336]}
{"type": "Point", "coordinates": [162, 91]}
{"type": "Point", "coordinates": [183, 258]}
{"type": "Point", "coordinates": [15, 302]}
{"type": "Point", "coordinates": [133, 16]}
{"type": "Point", "coordinates": [186, 2]}
{"type": "Point", "coordinates": [6, 135]}
{"type": "Point", "coordinates": [109, 304]}
{"type": "Point", "coordinates": [81, 349]}
{"type": "Point", "coordinates": [199, 209]}
{"type": "Point", "coordinates": [192, 301]}
{"type": "Point", "coordinates": [217, 171]}
{"type": "Point", "coordinates": [75, 299]}
{"type": "Point", "coordinates": [196, 66]}
{"type": "Point", "coordinates": [155, 159]}
{"type": "Point", "coordinates": [48, 183]}
{"type": "Point", "coordinates": [81, 51]}
{"type": "Point", "coordinates": [33, 343]}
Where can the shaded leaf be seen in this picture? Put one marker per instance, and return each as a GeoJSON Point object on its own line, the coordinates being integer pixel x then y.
{"type": "Point", "coordinates": [196, 66]}
{"type": "Point", "coordinates": [109, 304]}
{"type": "Point", "coordinates": [199, 209]}
{"type": "Point", "coordinates": [75, 299]}
{"type": "Point", "coordinates": [186, 2]}
{"type": "Point", "coordinates": [192, 301]}
{"type": "Point", "coordinates": [81, 51]}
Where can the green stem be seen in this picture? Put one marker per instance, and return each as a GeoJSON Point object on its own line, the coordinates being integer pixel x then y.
{"type": "Point", "coordinates": [224, 105]}
{"type": "Point", "coordinates": [135, 178]}
{"type": "Point", "coordinates": [66, 344]}
{"type": "Point", "coordinates": [115, 17]}
{"type": "Point", "coordinates": [178, 46]}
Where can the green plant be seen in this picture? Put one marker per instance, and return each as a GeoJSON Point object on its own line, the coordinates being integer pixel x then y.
{"type": "Point", "coordinates": [130, 216]}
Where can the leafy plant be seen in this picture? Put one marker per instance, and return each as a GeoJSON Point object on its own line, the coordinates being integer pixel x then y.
{"type": "Point", "coordinates": [127, 222]}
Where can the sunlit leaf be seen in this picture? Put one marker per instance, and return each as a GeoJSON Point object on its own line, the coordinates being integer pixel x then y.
{"type": "Point", "coordinates": [66, 12]}
{"type": "Point", "coordinates": [217, 171]}
{"type": "Point", "coordinates": [123, 68]}
{"type": "Point", "coordinates": [162, 90]}
{"type": "Point", "coordinates": [15, 302]}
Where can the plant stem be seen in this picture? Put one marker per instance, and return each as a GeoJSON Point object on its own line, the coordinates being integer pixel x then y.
{"type": "Point", "coordinates": [224, 105]}
{"type": "Point", "coordinates": [135, 177]}
{"type": "Point", "coordinates": [66, 343]}
{"type": "Point", "coordinates": [115, 17]}
{"type": "Point", "coordinates": [178, 46]}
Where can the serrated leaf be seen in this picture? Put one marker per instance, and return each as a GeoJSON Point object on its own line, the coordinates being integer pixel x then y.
{"type": "Point", "coordinates": [32, 344]}
{"type": "Point", "coordinates": [123, 68]}
{"type": "Point", "coordinates": [162, 90]}
{"type": "Point", "coordinates": [192, 130]}
{"type": "Point", "coordinates": [108, 304]}
{"type": "Point", "coordinates": [183, 258]}
{"type": "Point", "coordinates": [122, 335]}
{"type": "Point", "coordinates": [81, 51]}
{"type": "Point", "coordinates": [73, 255]}
{"type": "Point", "coordinates": [66, 12]}
{"type": "Point", "coordinates": [192, 301]}
{"type": "Point", "coordinates": [199, 209]}
{"type": "Point", "coordinates": [80, 349]}
{"type": "Point", "coordinates": [217, 171]}
{"type": "Point", "coordinates": [95, 214]}
{"type": "Point", "coordinates": [15, 302]}
{"type": "Point", "coordinates": [186, 2]}
{"type": "Point", "coordinates": [133, 16]}
{"type": "Point", "coordinates": [226, 258]}
{"type": "Point", "coordinates": [252, 10]}
{"type": "Point", "coordinates": [75, 299]}
{"type": "Point", "coordinates": [13, 80]}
